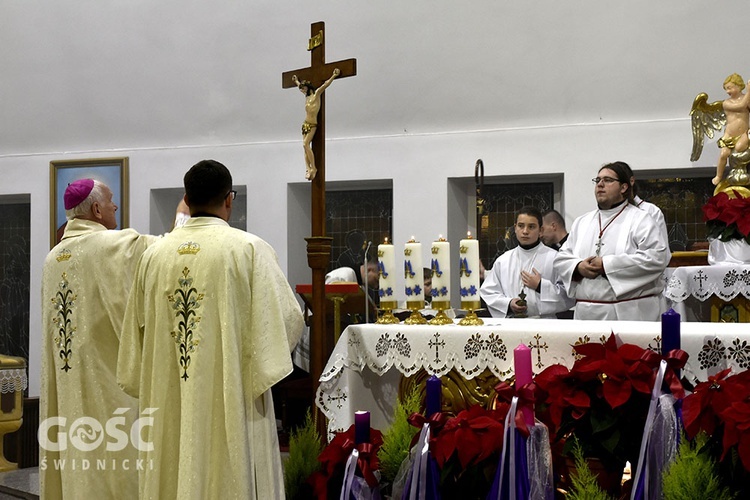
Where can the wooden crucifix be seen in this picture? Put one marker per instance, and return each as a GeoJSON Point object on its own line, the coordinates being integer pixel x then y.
{"type": "Point", "coordinates": [318, 74]}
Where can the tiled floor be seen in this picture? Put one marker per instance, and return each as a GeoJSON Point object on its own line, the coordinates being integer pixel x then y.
{"type": "Point", "coordinates": [21, 483]}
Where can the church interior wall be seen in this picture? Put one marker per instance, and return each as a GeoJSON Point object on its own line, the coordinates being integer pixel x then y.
{"type": "Point", "coordinates": [424, 204]}
{"type": "Point", "coordinates": [549, 89]}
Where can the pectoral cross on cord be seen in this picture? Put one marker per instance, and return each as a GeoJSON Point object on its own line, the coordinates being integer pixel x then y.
{"type": "Point", "coordinates": [599, 243]}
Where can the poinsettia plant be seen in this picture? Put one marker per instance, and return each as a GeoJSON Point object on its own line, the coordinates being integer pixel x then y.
{"type": "Point", "coordinates": [721, 408]}
{"type": "Point", "coordinates": [327, 482]}
{"type": "Point", "coordinates": [467, 448]}
{"type": "Point", "coordinates": [603, 399]}
{"type": "Point", "coordinates": [727, 217]}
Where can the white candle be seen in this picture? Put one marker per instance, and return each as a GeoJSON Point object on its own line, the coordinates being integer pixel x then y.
{"type": "Point", "coordinates": [413, 274]}
{"type": "Point", "coordinates": [387, 275]}
{"type": "Point", "coordinates": [468, 258]}
{"type": "Point", "coordinates": [441, 273]}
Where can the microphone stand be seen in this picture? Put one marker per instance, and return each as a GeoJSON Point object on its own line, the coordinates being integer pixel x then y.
{"type": "Point", "coordinates": [366, 283]}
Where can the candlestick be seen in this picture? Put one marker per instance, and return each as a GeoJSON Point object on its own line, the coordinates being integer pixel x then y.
{"type": "Point", "coordinates": [441, 278]}
{"type": "Point", "coordinates": [670, 331]}
{"type": "Point", "coordinates": [361, 427]}
{"type": "Point", "coordinates": [387, 282]}
{"type": "Point", "coordinates": [524, 375]}
{"type": "Point", "coordinates": [468, 264]}
{"type": "Point", "coordinates": [433, 399]}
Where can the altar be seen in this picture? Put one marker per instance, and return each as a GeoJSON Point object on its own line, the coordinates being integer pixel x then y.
{"type": "Point", "coordinates": [726, 286]}
{"type": "Point", "coordinates": [369, 361]}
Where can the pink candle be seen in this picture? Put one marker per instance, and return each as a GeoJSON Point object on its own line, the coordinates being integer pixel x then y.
{"type": "Point", "coordinates": [524, 375]}
{"type": "Point", "coordinates": [361, 427]}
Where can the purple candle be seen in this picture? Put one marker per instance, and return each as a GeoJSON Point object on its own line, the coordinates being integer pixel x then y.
{"type": "Point", "coordinates": [361, 427]}
{"type": "Point", "coordinates": [434, 395]}
{"type": "Point", "coordinates": [670, 331]}
{"type": "Point", "coordinates": [524, 375]}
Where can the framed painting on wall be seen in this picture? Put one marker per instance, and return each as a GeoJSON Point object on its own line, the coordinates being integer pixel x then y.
{"type": "Point", "coordinates": [111, 171]}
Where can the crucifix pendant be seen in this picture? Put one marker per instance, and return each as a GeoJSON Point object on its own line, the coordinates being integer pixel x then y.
{"type": "Point", "coordinates": [599, 247]}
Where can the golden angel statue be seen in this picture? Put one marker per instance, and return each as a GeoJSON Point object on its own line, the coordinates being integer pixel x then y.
{"type": "Point", "coordinates": [312, 106]}
{"type": "Point", "coordinates": [732, 113]}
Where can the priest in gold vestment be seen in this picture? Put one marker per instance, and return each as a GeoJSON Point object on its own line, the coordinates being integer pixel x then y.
{"type": "Point", "coordinates": [210, 325]}
{"type": "Point", "coordinates": [86, 281]}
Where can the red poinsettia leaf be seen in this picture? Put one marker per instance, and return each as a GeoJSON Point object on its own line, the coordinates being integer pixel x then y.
{"type": "Point", "coordinates": [617, 393]}
{"type": "Point", "coordinates": [642, 377]}
{"type": "Point", "coordinates": [592, 349]}
{"type": "Point", "coordinates": [550, 375]}
{"type": "Point", "coordinates": [443, 445]}
{"type": "Point", "coordinates": [730, 214]}
{"type": "Point", "coordinates": [692, 406]}
{"type": "Point", "coordinates": [579, 399]}
{"type": "Point", "coordinates": [743, 224]}
{"type": "Point", "coordinates": [631, 353]}
{"type": "Point", "coordinates": [743, 448]}
{"type": "Point", "coordinates": [731, 438]}
{"type": "Point", "coordinates": [471, 445]}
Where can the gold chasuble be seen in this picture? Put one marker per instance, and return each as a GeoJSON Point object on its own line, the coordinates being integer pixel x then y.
{"type": "Point", "coordinates": [210, 325]}
{"type": "Point", "coordinates": [86, 418]}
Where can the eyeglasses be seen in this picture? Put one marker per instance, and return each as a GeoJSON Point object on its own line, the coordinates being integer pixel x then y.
{"type": "Point", "coordinates": [607, 180]}
{"type": "Point", "coordinates": [233, 193]}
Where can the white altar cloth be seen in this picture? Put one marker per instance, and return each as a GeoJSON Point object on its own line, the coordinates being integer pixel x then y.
{"type": "Point", "coordinates": [365, 367]}
{"type": "Point", "coordinates": [726, 281]}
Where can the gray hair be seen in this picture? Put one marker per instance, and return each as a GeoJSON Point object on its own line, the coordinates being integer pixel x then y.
{"type": "Point", "coordinates": [83, 209]}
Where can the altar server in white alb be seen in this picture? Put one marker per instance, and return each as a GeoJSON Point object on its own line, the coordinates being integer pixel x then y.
{"type": "Point", "coordinates": [527, 273]}
{"type": "Point", "coordinates": [85, 283]}
{"type": "Point", "coordinates": [615, 255]}
{"type": "Point", "coordinates": [210, 325]}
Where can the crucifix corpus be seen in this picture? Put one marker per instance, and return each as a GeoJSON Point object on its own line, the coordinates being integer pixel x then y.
{"type": "Point", "coordinates": [313, 81]}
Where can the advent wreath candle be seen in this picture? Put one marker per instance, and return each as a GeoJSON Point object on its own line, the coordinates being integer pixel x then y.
{"type": "Point", "coordinates": [361, 427]}
{"type": "Point", "coordinates": [441, 274]}
{"type": "Point", "coordinates": [524, 376]}
{"type": "Point", "coordinates": [670, 331]}
{"type": "Point", "coordinates": [433, 395]}
{"type": "Point", "coordinates": [468, 257]}
{"type": "Point", "coordinates": [413, 275]}
{"type": "Point", "coordinates": [387, 275]}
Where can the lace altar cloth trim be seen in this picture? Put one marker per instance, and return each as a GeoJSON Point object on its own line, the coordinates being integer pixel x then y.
{"type": "Point", "coordinates": [13, 380]}
{"type": "Point", "coordinates": [470, 350]}
{"type": "Point", "coordinates": [725, 281]}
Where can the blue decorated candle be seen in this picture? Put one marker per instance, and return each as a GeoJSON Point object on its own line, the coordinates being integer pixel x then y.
{"type": "Point", "coordinates": [441, 273]}
{"type": "Point", "coordinates": [387, 275]}
{"type": "Point", "coordinates": [413, 275]}
{"type": "Point", "coordinates": [468, 260]}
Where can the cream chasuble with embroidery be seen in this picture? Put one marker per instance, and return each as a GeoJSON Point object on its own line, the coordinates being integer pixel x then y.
{"type": "Point", "coordinates": [210, 326]}
{"type": "Point", "coordinates": [503, 283]}
{"type": "Point", "coordinates": [85, 284]}
{"type": "Point", "coordinates": [634, 254]}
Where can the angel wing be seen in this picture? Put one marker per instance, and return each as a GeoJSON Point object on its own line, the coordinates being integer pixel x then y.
{"type": "Point", "coordinates": [705, 119]}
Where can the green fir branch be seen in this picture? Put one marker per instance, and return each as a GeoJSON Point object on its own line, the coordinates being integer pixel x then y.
{"type": "Point", "coordinates": [694, 473]}
{"type": "Point", "coordinates": [397, 438]}
{"type": "Point", "coordinates": [304, 447]}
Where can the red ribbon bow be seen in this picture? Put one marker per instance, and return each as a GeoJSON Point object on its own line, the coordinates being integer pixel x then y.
{"type": "Point", "coordinates": [526, 397]}
{"type": "Point", "coordinates": [366, 451]}
{"type": "Point", "coordinates": [436, 422]}
{"type": "Point", "coordinates": [676, 359]}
